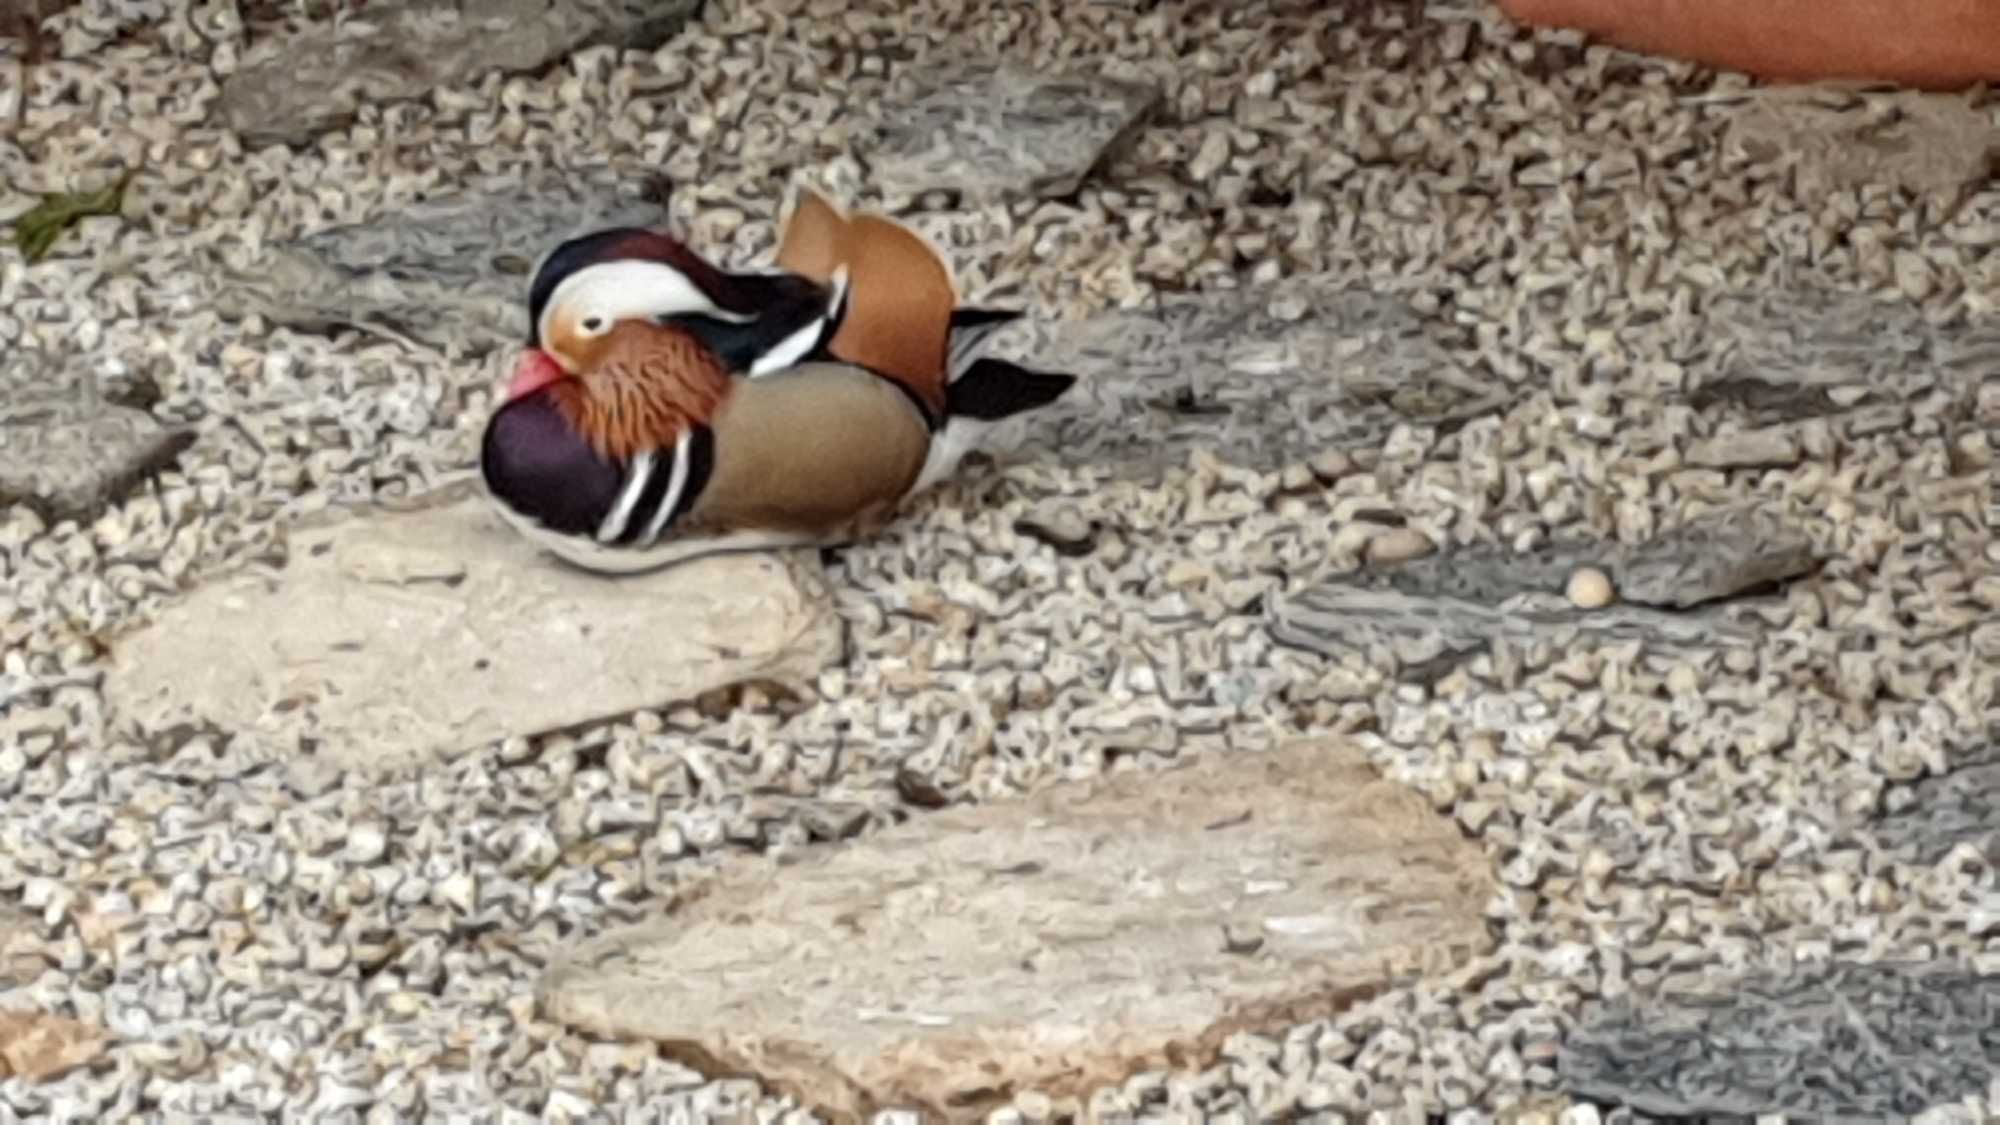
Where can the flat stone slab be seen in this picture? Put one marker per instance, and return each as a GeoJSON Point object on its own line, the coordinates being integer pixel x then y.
{"type": "Point", "coordinates": [1945, 810]}
{"type": "Point", "coordinates": [301, 85]}
{"type": "Point", "coordinates": [69, 450]}
{"type": "Point", "coordinates": [1930, 143]}
{"type": "Point", "coordinates": [1056, 943]}
{"type": "Point", "coordinates": [392, 636]}
{"type": "Point", "coordinates": [1438, 610]}
{"type": "Point", "coordinates": [1829, 1041]}
{"type": "Point", "coordinates": [989, 131]}
{"type": "Point", "coordinates": [447, 273]}
{"type": "Point", "coordinates": [1415, 632]}
{"type": "Point", "coordinates": [1262, 378]}
{"type": "Point", "coordinates": [1715, 555]}
{"type": "Point", "coordinates": [1855, 359]}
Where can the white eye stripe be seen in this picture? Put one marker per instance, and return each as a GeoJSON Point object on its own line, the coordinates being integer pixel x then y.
{"type": "Point", "coordinates": [613, 291]}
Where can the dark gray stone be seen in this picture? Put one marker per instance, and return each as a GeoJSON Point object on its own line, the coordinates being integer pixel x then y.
{"type": "Point", "coordinates": [1946, 810]}
{"type": "Point", "coordinates": [1785, 355]}
{"type": "Point", "coordinates": [70, 447]}
{"type": "Point", "coordinates": [450, 273]}
{"type": "Point", "coordinates": [1848, 1041]}
{"type": "Point", "coordinates": [1261, 378]}
{"type": "Point", "coordinates": [989, 131]}
{"type": "Point", "coordinates": [301, 85]}
{"type": "Point", "coordinates": [1712, 556]}
{"type": "Point", "coordinates": [1412, 632]}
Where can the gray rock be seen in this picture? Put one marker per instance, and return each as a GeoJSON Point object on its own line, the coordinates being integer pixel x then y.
{"type": "Point", "coordinates": [1434, 632]}
{"type": "Point", "coordinates": [1262, 378]}
{"type": "Point", "coordinates": [68, 448]}
{"type": "Point", "coordinates": [317, 78]}
{"type": "Point", "coordinates": [989, 131]}
{"type": "Point", "coordinates": [1928, 143]}
{"type": "Point", "coordinates": [449, 273]}
{"type": "Point", "coordinates": [391, 636]}
{"type": "Point", "coordinates": [1870, 1041]}
{"type": "Point", "coordinates": [1946, 810]}
{"type": "Point", "coordinates": [1802, 352]}
{"type": "Point", "coordinates": [1717, 554]}
{"type": "Point", "coordinates": [1109, 926]}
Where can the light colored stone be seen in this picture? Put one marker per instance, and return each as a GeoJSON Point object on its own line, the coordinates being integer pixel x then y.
{"type": "Point", "coordinates": [447, 272]}
{"type": "Point", "coordinates": [990, 131]}
{"type": "Point", "coordinates": [1590, 588]}
{"type": "Point", "coordinates": [36, 1046]}
{"type": "Point", "coordinates": [395, 635]}
{"type": "Point", "coordinates": [316, 79]}
{"type": "Point", "coordinates": [1399, 544]}
{"type": "Point", "coordinates": [1050, 943]}
{"type": "Point", "coordinates": [1929, 143]}
{"type": "Point", "coordinates": [1766, 448]}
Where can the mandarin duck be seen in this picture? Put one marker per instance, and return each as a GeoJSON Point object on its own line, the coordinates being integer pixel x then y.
{"type": "Point", "coordinates": [666, 409]}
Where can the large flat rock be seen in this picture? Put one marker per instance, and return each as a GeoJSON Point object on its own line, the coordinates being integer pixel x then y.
{"type": "Point", "coordinates": [1835, 1041]}
{"type": "Point", "coordinates": [395, 635]}
{"type": "Point", "coordinates": [989, 131]}
{"type": "Point", "coordinates": [451, 273]}
{"type": "Point", "coordinates": [316, 79]}
{"type": "Point", "coordinates": [1262, 377]}
{"type": "Point", "coordinates": [67, 447]}
{"type": "Point", "coordinates": [1055, 943]}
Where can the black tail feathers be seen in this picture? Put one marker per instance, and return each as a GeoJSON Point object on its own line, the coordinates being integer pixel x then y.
{"type": "Point", "coordinates": [992, 389]}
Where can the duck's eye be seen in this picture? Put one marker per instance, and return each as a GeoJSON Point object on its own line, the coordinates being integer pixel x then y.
{"type": "Point", "coordinates": [593, 324]}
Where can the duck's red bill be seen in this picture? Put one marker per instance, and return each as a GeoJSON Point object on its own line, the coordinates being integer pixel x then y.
{"type": "Point", "coordinates": [533, 371]}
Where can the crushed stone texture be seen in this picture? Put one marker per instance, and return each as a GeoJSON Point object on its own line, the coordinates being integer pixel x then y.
{"type": "Point", "coordinates": [391, 638]}
{"type": "Point", "coordinates": [1056, 943]}
{"type": "Point", "coordinates": [1468, 293]}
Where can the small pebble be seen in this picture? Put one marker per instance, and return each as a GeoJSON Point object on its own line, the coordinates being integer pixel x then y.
{"type": "Point", "coordinates": [1399, 544]}
{"type": "Point", "coordinates": [1590, 588]}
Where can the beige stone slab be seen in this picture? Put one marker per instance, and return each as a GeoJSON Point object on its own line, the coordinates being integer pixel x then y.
{"type": "Point", "coordinates": [1057, 943]}
{"type": "Point", "coordinates": [395, 635]}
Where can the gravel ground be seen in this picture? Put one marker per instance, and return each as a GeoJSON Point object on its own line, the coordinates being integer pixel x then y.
{"type": "Point", "coordinates": [264, 936]}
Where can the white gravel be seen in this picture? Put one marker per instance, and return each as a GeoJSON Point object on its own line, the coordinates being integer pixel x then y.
{"type": "Point", "coordinates": [262, 937]}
